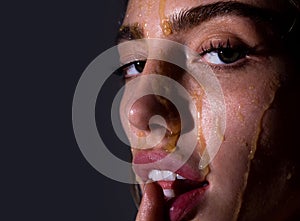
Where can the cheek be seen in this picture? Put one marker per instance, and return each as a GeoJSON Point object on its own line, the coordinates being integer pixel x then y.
{"type": "Point", "coordinates": [248, 96]}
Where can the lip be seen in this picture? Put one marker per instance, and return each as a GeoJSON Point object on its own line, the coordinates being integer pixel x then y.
{"type": "Point", "coordinates": [146, 160]}
{"type": "Point", "coordinates": [189, 193]}
{"type": "Point", "coordinates": [183, 205]}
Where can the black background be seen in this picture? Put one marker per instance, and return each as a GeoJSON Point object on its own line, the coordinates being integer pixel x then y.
{"type": "Point", "coordinates": [46, 45]}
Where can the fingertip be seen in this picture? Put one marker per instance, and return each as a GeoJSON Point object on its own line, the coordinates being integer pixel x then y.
{"type": "Point", "coordinates": [152, 204]}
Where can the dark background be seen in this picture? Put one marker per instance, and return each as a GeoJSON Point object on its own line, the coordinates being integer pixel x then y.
{"type": "Point", "coordinates": [45, 47]}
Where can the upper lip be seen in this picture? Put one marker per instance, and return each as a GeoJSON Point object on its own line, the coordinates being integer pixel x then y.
{"type": "Point", "coordinates": [146, 160]}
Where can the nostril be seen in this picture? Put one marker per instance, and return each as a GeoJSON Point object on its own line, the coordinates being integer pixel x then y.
{"type": "Point", "coordinates": [157, 122]}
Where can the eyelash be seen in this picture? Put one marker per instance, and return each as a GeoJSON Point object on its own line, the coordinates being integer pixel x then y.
{"type": "Point", "coordinates": [240, 51]}
{"type": "Point", "coordinates": [215, 48]}
{"type": "Point", "coordinates": [218, 45]}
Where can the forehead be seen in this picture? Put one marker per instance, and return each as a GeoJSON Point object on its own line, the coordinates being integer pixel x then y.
{"type": "Point", "coordinates": [143, 9]}
{"type": "Point", "coordinates": [159, 18]}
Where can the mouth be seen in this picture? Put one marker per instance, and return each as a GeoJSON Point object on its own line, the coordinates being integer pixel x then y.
{"type": "Point", "coordinates": [182, 196]}
{"type": "Point", "coordinates": [184, 188]}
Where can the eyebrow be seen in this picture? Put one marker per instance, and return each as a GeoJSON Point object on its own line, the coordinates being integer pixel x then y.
{"type": "Point", "coordinates": [130, 32]}
{"type": "Point", "coordinates": [187, 19]}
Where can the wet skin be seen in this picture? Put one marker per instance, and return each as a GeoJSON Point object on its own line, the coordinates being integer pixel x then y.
{"type": "Point", "coordinates": [254, 175]}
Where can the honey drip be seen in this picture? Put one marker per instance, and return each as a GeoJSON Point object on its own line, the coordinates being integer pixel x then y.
{"type": "Point", "coordinates": [258, 132]}
{"type": "Point", "coordinates": [239, 115]}
{"type": "Point", "coordinates": [200, 136]}
{"type": "Point", "coordinates": [164, 21]}
{"type": "Point", "coordinates": [173, 137]}
{"type": "Point", "coordinates": [172, 143]}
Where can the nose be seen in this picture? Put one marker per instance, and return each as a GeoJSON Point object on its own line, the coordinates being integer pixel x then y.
{"type": "Point", "coordinates": [150, 105]}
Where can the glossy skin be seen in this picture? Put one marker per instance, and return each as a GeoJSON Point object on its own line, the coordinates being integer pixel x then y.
{"type": "Point", "coordinates": [254, 176]}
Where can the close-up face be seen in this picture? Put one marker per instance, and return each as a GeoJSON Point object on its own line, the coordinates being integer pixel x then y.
{"type": "Point", "coordinates": [254, 173]}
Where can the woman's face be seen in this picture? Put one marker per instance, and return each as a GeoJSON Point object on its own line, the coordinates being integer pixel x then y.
{"type": "Point", "coordinates": [251, 176]}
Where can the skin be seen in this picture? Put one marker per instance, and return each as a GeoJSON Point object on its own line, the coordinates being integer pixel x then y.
{"type": "Point", "coordinates": [254, 175]}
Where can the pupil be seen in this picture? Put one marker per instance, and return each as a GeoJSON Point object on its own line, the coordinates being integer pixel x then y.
{"type": "Point", "coordinates": [229, 55]}
{"type": "Point", "coordinates": [139, 66]}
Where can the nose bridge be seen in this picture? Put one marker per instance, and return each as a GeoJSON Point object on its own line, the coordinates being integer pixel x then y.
{"type": "Point", "coordinates": [151, 104]}
{"type": "Point", "coordinates": [166, 57]}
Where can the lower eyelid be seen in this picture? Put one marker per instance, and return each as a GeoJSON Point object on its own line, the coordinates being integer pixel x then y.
{"type": "Point", "coordinates": [240, 66]}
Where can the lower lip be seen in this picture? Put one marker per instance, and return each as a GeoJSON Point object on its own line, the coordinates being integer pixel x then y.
{"type": "Point", "coordinates": [182, 205]}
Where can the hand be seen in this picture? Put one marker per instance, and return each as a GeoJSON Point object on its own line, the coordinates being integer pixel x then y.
{"type": "Point", "coordinates": [151, 207]}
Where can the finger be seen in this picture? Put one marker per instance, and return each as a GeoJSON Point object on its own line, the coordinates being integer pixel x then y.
{"type": "Point", "coordinates": [152, 207]}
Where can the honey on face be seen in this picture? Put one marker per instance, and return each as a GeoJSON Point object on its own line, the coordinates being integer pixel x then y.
{"type": "Point", "coordinates": [172, 142]}
{"type": "Point", "coordinates": [164, 21]}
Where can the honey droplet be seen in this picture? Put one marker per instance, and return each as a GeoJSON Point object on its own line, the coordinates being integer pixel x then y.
{"type": "Point", "coordinates": [146, 30]}
{"type": "Point", "coordinates": [251, 154]}
{"type": "Point", "coordinates": [141, 134]}
{"type": "Point", "coordinates": [166, 27]}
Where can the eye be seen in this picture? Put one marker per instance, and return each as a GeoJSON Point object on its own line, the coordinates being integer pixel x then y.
{"type": "Point", "coordinates": [132, 69]}
{"type": "Point", "coordinates": [224, 55]}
